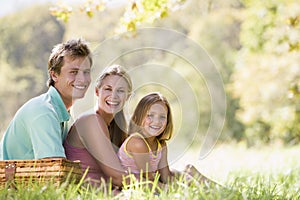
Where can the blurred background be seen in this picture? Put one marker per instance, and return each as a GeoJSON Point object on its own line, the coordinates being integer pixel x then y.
{"type": "Point", "coordinates": [254, 46]}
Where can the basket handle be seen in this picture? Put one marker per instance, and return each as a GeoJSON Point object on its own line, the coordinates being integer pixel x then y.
{"type": "Point", "coordinates": [10, 170]}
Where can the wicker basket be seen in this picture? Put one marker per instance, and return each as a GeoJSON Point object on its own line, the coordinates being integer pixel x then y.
{"type": "Point", "coordinates": [44, 170]}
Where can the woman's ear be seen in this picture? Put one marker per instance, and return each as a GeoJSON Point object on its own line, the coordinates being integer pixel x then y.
{"type": "Point", "coordinates": [128, 95]}
{"type": "Point", "coordinates": [97, 91]}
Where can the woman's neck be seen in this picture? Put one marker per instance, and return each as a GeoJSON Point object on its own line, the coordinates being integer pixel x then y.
{"type": "Point", "coordinates": [106, 116]}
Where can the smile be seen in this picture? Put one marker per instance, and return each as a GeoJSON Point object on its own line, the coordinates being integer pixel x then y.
{"type": "Point", "coordinates": [155, 127]}
{"type": "Point", "coordinates": [112, 103]}
{"type": "Point", "coordinates": [80, 87]}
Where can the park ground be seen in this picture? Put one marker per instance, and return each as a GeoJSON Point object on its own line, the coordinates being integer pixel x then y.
{"type": "Point", "coordinates": [225, 161]}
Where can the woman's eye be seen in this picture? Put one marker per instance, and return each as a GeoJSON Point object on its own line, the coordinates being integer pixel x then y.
{"type": "Point", "coordinates": [121, 91]}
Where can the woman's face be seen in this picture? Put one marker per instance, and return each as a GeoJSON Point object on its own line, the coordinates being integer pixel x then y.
{"type": "Point", "coordinates": [155, 121]}
{"type": "Point", "coordinates": [112, 94]}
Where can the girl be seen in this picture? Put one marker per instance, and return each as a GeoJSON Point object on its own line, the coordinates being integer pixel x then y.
{"type": "Point", "coordinates": [145, 150]}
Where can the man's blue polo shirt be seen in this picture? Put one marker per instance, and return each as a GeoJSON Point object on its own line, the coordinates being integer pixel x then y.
{"type": "Point", "coordinates": [37, 130]}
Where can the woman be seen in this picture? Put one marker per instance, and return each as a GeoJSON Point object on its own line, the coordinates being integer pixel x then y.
{"type": "Point", "coordinates": [94, 137]}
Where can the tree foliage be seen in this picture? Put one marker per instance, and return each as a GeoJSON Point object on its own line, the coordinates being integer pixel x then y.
{"type": "Point", "coordinates": [267, 75]}
{"type": "Point", "coordinates": [26, 41]}
{"type": "Point", "coordinates": [254, 44]}
{"type": "Point", "coordinates": [220, 40]}
{"type": "Point", "coordinates": [137, 12]}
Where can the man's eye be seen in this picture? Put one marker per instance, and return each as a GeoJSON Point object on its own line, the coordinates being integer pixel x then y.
{"type": "Point", "coordinates": [74, 72]}
{"type": "Point", "coordinates": [87, 72]}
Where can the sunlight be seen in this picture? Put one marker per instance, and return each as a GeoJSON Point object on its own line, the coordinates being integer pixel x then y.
{"type": "Point", "coordinates": [226, 159]}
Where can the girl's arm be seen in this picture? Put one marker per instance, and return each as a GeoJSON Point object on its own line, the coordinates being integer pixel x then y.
{"type": "Point", "coordinates": [94, 136]}
{"type": "Point", "coordinates": [164, 170]}
{"type": "Point", "coordinates": [139, 150]}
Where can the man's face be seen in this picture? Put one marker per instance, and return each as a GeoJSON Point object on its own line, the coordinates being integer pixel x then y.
{"type": "Point", "coordinates": [73, 80]}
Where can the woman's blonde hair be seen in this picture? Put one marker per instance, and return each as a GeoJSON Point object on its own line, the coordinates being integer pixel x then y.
{"type": "Point", "coordinates": [114, 70]}
{"type": "Point", "coordinates": [118, 126]}
{"type": "Point", "coordinates": [140, 113]}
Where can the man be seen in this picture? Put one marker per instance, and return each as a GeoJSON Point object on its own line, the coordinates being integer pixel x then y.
{"type": "Point", "coordinates": [39, 127]}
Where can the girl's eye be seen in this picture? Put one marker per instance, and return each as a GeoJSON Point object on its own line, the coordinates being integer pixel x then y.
{"type": "Point", "coordinates": [121, 91]}
{"type": "Point", "coordinates": [149, 115]}
{"type": "Point", "coordinates": [163, 117]}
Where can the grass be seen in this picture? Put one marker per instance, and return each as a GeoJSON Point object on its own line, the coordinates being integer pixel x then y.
{"type": "Point", "coordinates": [267, 179]}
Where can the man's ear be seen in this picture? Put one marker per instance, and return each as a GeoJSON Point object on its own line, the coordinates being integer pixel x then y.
{"type": "Point", "coordinates": [54, 76]}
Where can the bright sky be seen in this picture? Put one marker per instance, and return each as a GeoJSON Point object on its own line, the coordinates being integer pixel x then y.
{"type": "Point", "coordinates": [9, 6]}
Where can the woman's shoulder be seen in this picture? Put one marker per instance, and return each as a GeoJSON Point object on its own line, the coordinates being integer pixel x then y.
{"type": "Point", "coordinates": [86, 115]}
{"type": "Point", "coordinates": [89, 117]}
{"type": "Point", "coordinates": [89, 123]}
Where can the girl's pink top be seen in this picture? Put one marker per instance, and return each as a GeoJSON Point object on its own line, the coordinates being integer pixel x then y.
{"type": "Point", "coordinates": [94, 173]}
{"type": "Point", "coordinates": [128, 162]}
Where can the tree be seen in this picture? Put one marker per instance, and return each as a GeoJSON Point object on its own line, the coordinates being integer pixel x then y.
{"type": "Point", "coordinates": [267, 76]}
{"type": "Point", "coordinates": [220, 40]}
{"type": "Point", "coordinates": [137, 12]}
{"type": "Point", "coordinates": [27, 38]}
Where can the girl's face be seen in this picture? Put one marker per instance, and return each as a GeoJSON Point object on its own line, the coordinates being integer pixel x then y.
{"type": "Point", "coordinates": [112, 94]}
{"type": "Point", "coordinates": [155, 121]}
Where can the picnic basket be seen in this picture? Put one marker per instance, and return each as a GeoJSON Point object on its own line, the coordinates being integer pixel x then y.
{"type": "Point", "coordinates": [57, 170]}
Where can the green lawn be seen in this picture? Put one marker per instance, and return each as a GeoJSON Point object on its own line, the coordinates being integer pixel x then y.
{"type": "Point", "coordinates": [256, 173]}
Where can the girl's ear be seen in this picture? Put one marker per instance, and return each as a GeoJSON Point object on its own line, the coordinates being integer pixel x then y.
{"type": "Point", "coordinates": [54, 75]}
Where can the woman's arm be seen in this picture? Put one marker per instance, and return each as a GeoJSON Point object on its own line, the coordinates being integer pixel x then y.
{"type": "Point", "coordinates": [94, 135]}
{"type": "Point", "coordinates": [163, 166]}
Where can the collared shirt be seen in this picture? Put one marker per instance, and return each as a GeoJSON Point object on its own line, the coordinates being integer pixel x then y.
{"type": "Point", "coordinates": [37, 130]}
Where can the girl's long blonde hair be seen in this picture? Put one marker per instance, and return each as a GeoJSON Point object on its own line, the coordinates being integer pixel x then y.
{"type": "Point", "coordinates": [141, 111]}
